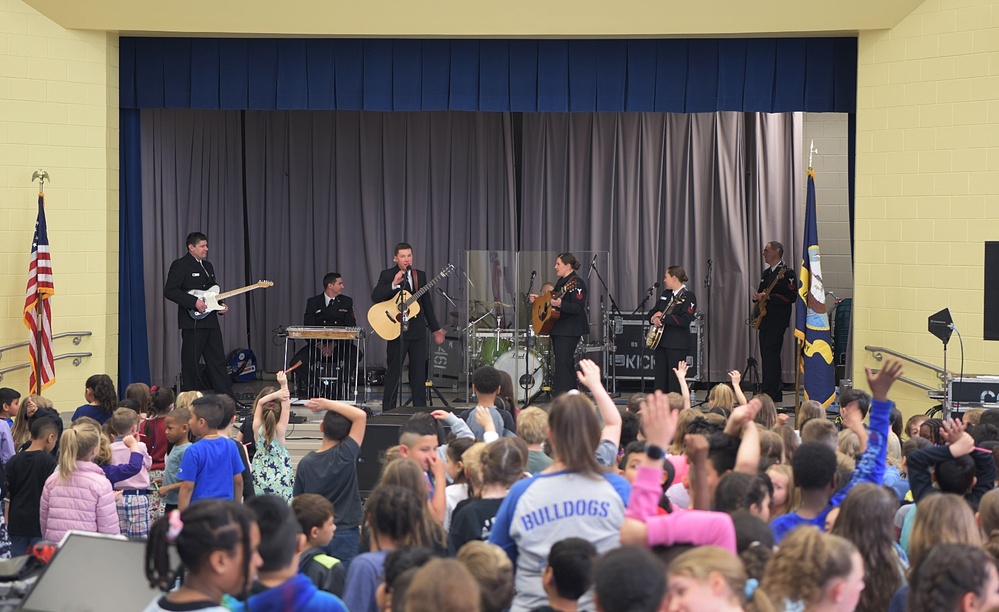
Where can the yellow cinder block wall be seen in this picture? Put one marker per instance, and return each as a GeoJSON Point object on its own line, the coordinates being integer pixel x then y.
{"type": "Point", "coordinates": [59, 111]}
{"type": "Point", "coordinates": [927, 187]}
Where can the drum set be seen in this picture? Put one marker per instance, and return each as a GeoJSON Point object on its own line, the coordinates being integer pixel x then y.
{"type": "Point", "coordinates": [520, 353]}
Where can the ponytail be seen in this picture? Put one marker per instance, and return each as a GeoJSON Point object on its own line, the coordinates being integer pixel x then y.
{"type": "Point", "coordinates": [68, 450]}
{"type": "Point", "coordinates": [991, 545]}
{"type": "Point", "coordinates": [270, 417]}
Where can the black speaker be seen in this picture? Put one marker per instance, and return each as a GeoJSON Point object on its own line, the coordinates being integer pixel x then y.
{"type": "Point", "coordinates": [991, 310]}
{"type": "Point", "coordinates": [382, 433]}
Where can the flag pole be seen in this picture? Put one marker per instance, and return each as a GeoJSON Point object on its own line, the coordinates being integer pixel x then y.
{"type": "Point", "coordinates": [41, 175]}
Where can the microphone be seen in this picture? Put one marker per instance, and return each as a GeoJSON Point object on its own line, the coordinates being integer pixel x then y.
{"type": "Point", "coordinates": [654, 286]}
{"type": "Point", "coordinates": [709, 263]}
{"type": "Point", "coordinates": [446, 297]}
{"type": "Point", "coordinates": [465, 274]}
{"type": "Point", "coordinates": [534, 274]}
{"type": "Point", "coordinates": [593, 261]}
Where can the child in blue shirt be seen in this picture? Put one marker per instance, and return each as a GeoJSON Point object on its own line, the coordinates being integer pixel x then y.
{"type": "Point", "coordinates": [178, 424]}
{"type": "Point", "coordinates": [212, 467]}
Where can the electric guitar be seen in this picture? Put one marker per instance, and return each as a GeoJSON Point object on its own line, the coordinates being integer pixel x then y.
{"type": "Point", "coordinates": [211, 297]}
{"type": "Point", "coordinates": [760, 307]}
{"type": "Point", "coordinates": [543, 314]}
{"type": "Point", "coordinates": [386, 317]}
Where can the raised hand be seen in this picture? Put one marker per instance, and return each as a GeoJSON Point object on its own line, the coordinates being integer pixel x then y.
{"type": "Point", "coordinates": [282, 378]}
{"type": "Point", "coordinates": [589, 374]}
{"type": "Point", "coordinates": [951, 430]}
{"type": "Point", "coordinates": [883, 380]}
{"type": "Point", "coordinates": [658, 421]}
{"type": "Point", "coordinates": [484, 418]}
{"type": "Point", "coordinates": [681, 370]}
{"type": "Point", "coordinates": [735, 376]}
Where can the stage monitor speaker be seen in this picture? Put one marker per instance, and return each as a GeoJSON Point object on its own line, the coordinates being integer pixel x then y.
{"type": "Point", "coordinates": [632, 361]}
{"type": "Point", "coordinates": [991, 309]}
{"type": "Point", "coordinates": [381, 433]}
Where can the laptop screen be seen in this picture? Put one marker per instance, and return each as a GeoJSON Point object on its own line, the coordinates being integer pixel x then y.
{"type": "Point", "coordinates": [93, 572]}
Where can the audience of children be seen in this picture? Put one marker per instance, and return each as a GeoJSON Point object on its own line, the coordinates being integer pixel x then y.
{"type": "Point", "coordinates": [553, 535]}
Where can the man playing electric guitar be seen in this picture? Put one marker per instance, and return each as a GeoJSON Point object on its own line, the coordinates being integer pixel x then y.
{"type": "Point", "coordinates": [412, 342]}
{"type": "Point", "coordinates": [200, 338]}
{"type": "Point", "coordinates": [776, 307]}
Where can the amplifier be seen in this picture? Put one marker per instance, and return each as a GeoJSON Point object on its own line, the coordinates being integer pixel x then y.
{"type": "Point", "coordinates": [976, 392]}
{"type": "Point", "coordinates": [631, 361]}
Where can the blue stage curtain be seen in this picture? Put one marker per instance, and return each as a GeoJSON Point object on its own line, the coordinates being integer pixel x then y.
{"type": "Point", "coordinates": [767, 75]}
{"type": "Point", "coordinates": [133, 343]}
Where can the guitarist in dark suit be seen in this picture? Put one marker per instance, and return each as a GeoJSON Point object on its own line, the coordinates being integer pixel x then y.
{"type": "Point", "coordinates": [412, 342]}
{"type": "Point", "coordinates": [199, 338]}
{"type": "Point", "coordinates": [674, 312]}
{"type": "Point", "coordinates": [778, 313]}
{"type": "Point", "coordinates": [571, 325]}
{"type": "Point", "coordinates": [331, 308]}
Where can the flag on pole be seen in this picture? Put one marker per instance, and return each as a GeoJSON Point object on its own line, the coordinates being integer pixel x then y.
{"type": "Point", "coordinates": [812, 321]}
{"type": "Point", "coordinates": [37, 306]}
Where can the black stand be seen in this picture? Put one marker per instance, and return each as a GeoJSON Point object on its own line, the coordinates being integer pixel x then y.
{"type": "Point", "coordinates": [546, 382]}
{"type": "Point", "coordinates": [403, 328]}
{"type": "Point", "coordinates": [752, 375]}
{"type": "Point", "coordinates": [431, 390]}
{"type": "Point", "coordinates": [706, 373]}
{"type": "Point", "coordinates": [645, 329]}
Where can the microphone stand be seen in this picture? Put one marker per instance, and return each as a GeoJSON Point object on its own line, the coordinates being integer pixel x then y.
{"type": "Point", "coordinates": [643, 331]}
{"type": "Point", "coordinates": [613, 310]}
{"type": "Point", "coordinates": [706, 375]}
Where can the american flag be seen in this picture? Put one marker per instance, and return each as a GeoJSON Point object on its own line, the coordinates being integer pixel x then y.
{"type": "Point", "coordinates": [38, 307]}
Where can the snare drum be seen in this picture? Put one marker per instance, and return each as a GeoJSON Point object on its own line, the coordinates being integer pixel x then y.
{"type": "Point", "coordinates": [525, 367]}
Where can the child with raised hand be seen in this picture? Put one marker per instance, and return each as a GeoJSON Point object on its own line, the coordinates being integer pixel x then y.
{"type": "Point", "coordinates": [153, 432]}
{"type": "Point", "coordinates": [331, 472]}
{"type": "Point", "coordinates": [78, 495]}
{"type": "Point", "coordinates": [178, 426]}
{"type": "Point", "coordinates": [279, 585]}
{"type": "Point", "coordinates": [315, 515]}
{"type": "Point", "coordinates": [27, 472]}
{"type": "Point", "coordinates": [393, 514]}
{"type": "Point", "coordinates": [213, 467]}
{"type": "Point", "coordinates": [610, 434]}
{"type": "Point", "coordinates": [272, 470]}
{"type": "Point", "coordinates": [133, 503]}
{"type": "Point", "coordinates": [217, 545]}
{"type": "Point", "coordinates": [814, 467]}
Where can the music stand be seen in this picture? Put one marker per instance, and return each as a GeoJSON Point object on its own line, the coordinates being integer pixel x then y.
{"type": "Point", "coordinates": [941, 325]}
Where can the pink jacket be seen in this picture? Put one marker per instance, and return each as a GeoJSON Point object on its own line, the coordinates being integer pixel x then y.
{"type": "Point", "coordinates": [698, 527]}
{"type": "Point", "coordinates": [84, 502]}
{"type": "Point", "coordinates": [121, 454]}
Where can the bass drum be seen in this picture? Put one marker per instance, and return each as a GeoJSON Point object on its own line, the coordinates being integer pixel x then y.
{"type": "Point", "coordinates": [525, 367]}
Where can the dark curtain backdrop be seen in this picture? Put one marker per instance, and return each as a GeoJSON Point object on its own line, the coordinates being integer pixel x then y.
{"type": "Point", "coordinates": [656, 190]}
{"type": "Point", "coordinates": [290, 196]}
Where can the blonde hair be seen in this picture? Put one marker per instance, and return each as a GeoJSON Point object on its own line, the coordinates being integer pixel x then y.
{"type": "Point", "coordinates": [675, 400]}
{"type": "Point", "coordinates": [21, 432]}
{"type": "Point", "coordinates": [186, 399]}
{"type": "Point", "coordinates": [685, 418]}
{"type": "Point", "coordinates": [793, 495]}
{"type": "Point", "coordinates": [988, 516]}
{"type": "Point", "coordinates": [767, 416]}
{"type": "Point", "coordinates": [771, 446]}
{"type": "Point", "coordinates": [721, 396]}
{"type": "Point", "coordinates": [532, 425]}
{"type": "Point", "coordinates": [849, 443]}
{"type": "Point", "coordinates": [894, 458]}
{"type": "Point", "coordinates": [269, 415]}
{"type": "Point", "coordinates": [472, 460]}
{"type": "Point", "coordinates": [492, 569]}
{"type": "Point", "coordinates": [443, 585]}
{"type": "Point", "coordinates": [77, 444]}
{"type": "Point", "coordinates": [699, 563]}
{"type": "Point", "coordinates": [941, 518]}
{"type": "Point", "coordinates": [804, 565]}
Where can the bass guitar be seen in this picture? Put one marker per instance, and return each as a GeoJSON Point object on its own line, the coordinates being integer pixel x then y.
{"type": "Point", "coordinates": [386, 317]}
{"type": "Point", "coordinates": [543, 314]}
{"type": "Point", "coordinates": [211, 297]}
{"type": "Point", "coordinates": [760, 307]}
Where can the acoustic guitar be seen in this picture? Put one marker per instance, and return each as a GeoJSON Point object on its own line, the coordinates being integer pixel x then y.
{"type": "Point", "coordinates": [211, 297]}
{"type": "Point", "coordinates": [543, 314]}
{"type": "Point", "coordinates": [386, 317]}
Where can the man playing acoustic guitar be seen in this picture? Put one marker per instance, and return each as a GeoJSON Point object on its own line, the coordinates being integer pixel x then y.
{"type": "Point", "coordinates": [413, 341]}
{"type": "Point", "coordinates": [774, 297]}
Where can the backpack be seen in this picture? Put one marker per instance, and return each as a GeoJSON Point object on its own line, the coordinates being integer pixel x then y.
{"type": "Point", "coordinates": [241, 364]}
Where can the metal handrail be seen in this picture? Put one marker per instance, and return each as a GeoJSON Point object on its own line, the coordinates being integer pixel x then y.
{"type": "Point", "coordinates": [77, 360]}
{"type": "Point", "coordinates": [878, 350]}
{"type": "Point", "coordinates": [914, 383]}
{"type": "Point", "coordinates": [77, 339]}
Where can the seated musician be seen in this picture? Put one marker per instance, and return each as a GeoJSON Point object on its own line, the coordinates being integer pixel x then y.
{"type": "Point", "coordinates": [331, 308]}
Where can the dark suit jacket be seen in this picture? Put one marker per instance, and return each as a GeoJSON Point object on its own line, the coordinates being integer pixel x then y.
{"type": "Point", "coordinates": [186, 274]}
{"type": "Point", "coordinates": [676, 323]}
{"type": "Point", "coordinates": [427, 318]}
{"type": "Point", "coordinates": [782, 298]}
{"type": "Point", "coordinates": [572, 313]}
{"type": "Point", "coordinates": [340, 311]}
